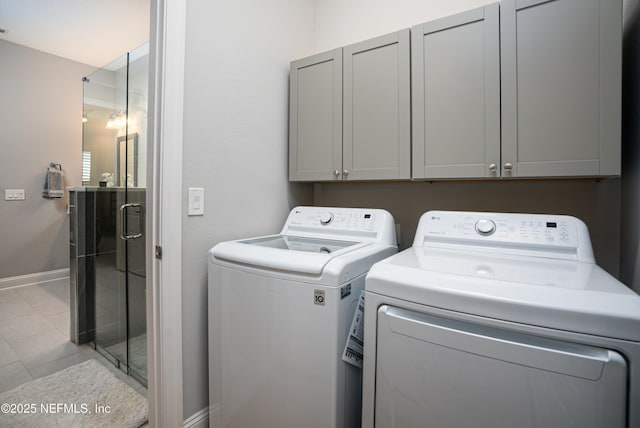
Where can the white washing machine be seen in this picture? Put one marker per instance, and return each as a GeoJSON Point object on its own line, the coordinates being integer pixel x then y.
{"type": "Point", "coordinates": [280, 310]}
{"type": "Point", "coordinates": [499, 320]}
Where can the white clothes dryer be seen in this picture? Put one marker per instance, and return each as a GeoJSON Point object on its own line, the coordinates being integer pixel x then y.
{"type": "Point", "coordinates": [499, 320]}
{"type": "Point", "coordinates": [280, 310]}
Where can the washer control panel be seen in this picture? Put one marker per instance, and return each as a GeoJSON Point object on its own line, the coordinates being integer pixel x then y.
{"type": "Point", "coordinates": [361, 224]}
{"type": "Point", "coordinates": [363, 220]}
{"type": "Point", "coordinates": [531, 232]}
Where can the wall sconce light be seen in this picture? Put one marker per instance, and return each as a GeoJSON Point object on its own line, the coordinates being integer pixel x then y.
{"type": "Point", "coordinates": [117, 120]}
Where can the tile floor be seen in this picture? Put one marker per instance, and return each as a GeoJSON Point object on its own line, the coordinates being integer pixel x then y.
{"type": "Point", "coordinates": [34, 335]}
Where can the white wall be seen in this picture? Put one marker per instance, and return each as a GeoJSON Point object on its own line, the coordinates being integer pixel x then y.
{"type": "Point", "coordinates": [235, 143]}
{"type": "Point", "coordinates": [40, 122]}
{"type": "Point", "coordinates": [630, 261]}
{"type": "Point", "coordinates": [340, 22]}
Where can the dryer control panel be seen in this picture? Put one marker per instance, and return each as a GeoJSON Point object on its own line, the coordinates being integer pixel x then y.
{"type": "Point", "coordinates": [555, 236]}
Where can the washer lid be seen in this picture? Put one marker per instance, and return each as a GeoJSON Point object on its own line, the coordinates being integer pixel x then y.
{"type": "Point", "coordinates": [567, 295]}
{"type": "Point", "coordinates": [285, 252]}
{"type": "Point", "coordinates": [300, 243]}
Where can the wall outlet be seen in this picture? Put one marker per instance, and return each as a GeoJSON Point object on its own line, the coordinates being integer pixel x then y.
{"type": "Point", "coordinates": [14, 194]}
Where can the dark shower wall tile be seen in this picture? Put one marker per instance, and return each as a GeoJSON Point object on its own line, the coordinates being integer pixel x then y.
{"type": "Point", "coordinates": [80, 221]}
{"type": "Point", "coordinates": [105, 220]}
{"type": "Point", "coordinates": [137, 304]}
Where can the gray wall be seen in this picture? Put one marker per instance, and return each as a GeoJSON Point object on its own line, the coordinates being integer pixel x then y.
{"type": "Point", "coordinates": [40, 122]}
{"type": "Point", "coordinates": [235, 144]}
{"type": "Point", "coordinates": [630, 261]}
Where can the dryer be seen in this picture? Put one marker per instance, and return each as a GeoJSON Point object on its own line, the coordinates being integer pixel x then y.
{"type": "Point", "coordinates": [280, 310]}
{"type": "Point", "coordinates": [499, 320]}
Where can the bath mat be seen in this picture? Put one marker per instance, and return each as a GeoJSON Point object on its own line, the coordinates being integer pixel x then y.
{"type": "Point", "coordinates": [84, 395]}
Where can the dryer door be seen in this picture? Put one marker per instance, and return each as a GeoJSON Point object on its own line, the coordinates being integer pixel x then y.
{"type": "Point", "coordinates": [437, 372]}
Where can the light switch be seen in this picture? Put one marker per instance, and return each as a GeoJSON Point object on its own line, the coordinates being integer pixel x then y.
{"type": "Point", "coordinates": [196, 201]}
{"type": "Point", "coordinates": [14, 194]}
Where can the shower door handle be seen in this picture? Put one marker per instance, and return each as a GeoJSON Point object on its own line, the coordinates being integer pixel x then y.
{"type": "Point", "coordinates": [123, 221]}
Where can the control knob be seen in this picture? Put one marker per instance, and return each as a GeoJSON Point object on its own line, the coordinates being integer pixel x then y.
{"type": "Point", "coordinates": [485, 227]}
{"type": "Point", "coordinates": [326, 218]}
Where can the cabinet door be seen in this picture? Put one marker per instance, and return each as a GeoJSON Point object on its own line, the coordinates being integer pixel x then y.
{"type": "Point", "coordinates": [561, 87]}
{"type": "Point", "coordinates": [456, 95]}
{"type": "Point", "coordinates": [315, 117]}
{"type": "Point", "coordinates": [377, 109]}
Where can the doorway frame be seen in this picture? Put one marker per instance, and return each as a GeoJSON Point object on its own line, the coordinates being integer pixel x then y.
{"type": "Point", "coordinates": [164, 225]}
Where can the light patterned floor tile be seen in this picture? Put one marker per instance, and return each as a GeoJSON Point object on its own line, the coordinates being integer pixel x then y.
{"type": "Point", "coordinates": [43, 348]}
{"type": "Point", "coordinates": [13, 375]}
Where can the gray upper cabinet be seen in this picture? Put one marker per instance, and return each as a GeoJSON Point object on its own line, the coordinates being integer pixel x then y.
{"type": "Point", "coordinates": [516, 88]}
{"type": "Point", "coordinates": [561, 87]}
{"type": "Point", "coordinates": [361, 132]}
{"type": "Point", "coordinates": [315, 117]}
{"type": "Point", "coordinates": [456, 95]}
{"type": "Point", "coordinates": [377, 109]}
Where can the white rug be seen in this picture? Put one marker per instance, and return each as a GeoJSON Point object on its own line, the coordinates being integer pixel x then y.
{"type": "Point", "coordinates": [84, 395]}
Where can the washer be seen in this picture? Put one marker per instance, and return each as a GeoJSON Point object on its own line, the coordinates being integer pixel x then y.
{"type": "Point", "coordinates": [280, 309]}
{"type": "Point", "coordinates": [499, 320]}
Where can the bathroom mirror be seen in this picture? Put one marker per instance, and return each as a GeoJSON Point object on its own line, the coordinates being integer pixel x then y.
{"type": "Point", "coordinates": [127, 161]}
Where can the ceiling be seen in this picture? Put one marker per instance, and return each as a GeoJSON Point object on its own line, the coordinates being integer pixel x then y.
{"type": "Point", "coordinates": [93, 32]}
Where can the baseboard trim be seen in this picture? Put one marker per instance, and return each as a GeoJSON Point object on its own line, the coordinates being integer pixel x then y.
{"type": "Point", "coordinates": [33, 278]}
{"type": "Point", "coordinates": [198, 420]}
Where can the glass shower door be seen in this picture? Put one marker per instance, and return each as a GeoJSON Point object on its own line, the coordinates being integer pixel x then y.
{"type": "Point", "coordinates": [133, 211]}
{"type": "Point", "coordinates": [114, 143]}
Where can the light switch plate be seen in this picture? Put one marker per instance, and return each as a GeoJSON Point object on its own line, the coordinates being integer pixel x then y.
{"type": "Point", "coordinates": [14, 194]}
{"type": "Point", "coordinates": [196, 201]}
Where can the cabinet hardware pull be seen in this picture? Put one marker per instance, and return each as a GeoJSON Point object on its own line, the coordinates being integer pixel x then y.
{"type": "Point", "coordinates": [508, 166]}
{"type": "Point", "coordinates": [493, 167]}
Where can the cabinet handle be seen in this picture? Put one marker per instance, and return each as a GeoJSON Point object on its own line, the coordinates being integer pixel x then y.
{"type": "Point", "coordinates": [345, 172]}
{"type": "Point", "coordinates": [508, 167]}
{"type": "Point", "coordinates": [336, 173]}
{"type": "Point", "coordinates": [493, 167]}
